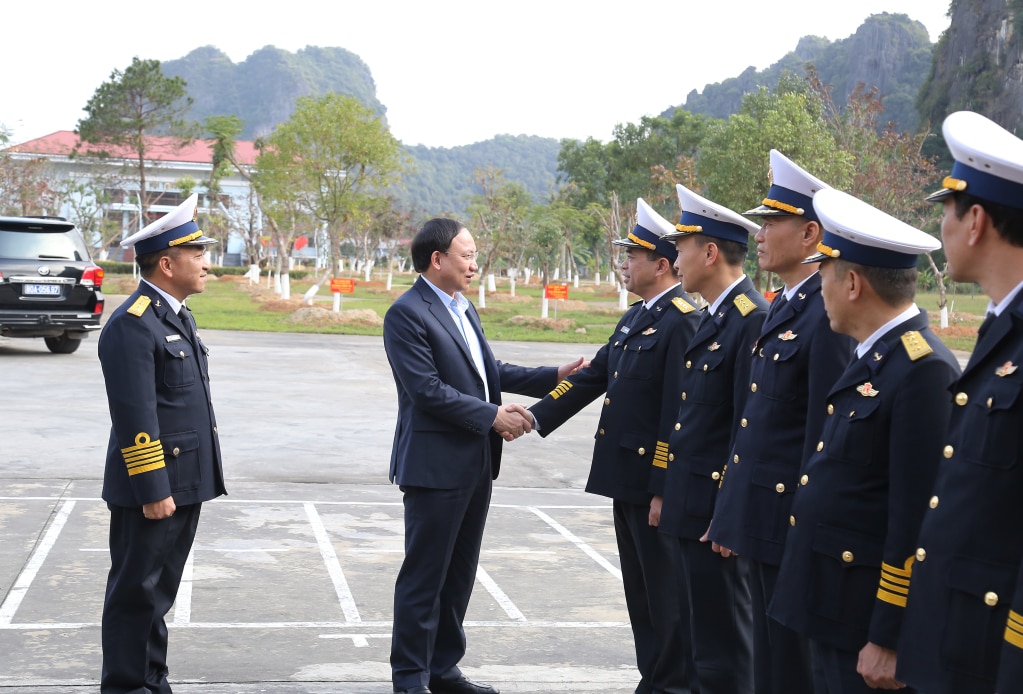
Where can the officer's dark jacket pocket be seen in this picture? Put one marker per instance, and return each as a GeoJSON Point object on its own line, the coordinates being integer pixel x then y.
{"type": "Point", "coordinates": [707, 386]}
{"type": "Point", "coordinates": [994, 426]}
{"type": "Point", "coordinates": [850, 440]}
{"type": "Point", "coordinates": [975, 614]}
{"type": "Point", "coordinates": [179, 364]}
{"type": "Point", "coordinates": [770, 499]}
{"type": "Point", "coordinates": [637, 362]}
{"type": "Point", "coordinates": [845, 572]}
{"type": "Point", "coordinates": [780, 381]}
{"type": "Point", "coordinates": [181, 453]}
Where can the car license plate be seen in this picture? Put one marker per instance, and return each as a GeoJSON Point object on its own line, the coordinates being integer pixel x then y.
{"type": "Point", "coordinates": [41, 290]}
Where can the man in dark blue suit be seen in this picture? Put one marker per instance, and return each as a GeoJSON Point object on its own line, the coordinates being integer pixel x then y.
{"type": "Point", "coordinates": [163, 459]}
{"type": "Point", "coordinates": [795, 361]}
{"type": "Point", "coordinates": [640, 371]}
{"type": "Point", "coordinates": [963, 630]}
{"type": "Point", "coordinates": [711, 241]}
{"type": "Point", "coordinates": [848, 559]}
{"type": "Point", "coordinates": [446, 453]}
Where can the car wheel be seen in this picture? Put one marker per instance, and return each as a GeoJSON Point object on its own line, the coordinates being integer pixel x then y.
{"type": "Point", "coordinates": [62, 344]}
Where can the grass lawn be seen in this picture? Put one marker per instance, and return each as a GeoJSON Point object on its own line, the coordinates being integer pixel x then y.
{"type": "Point", "coordinates": [588, 316]}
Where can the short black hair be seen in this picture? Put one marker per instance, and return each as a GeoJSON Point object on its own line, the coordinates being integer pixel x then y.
{"type": "Point", "coordinates": [147, 262]}
{"type": "Point", "coordinates": [435, 235]}
{"type": "Point", "coordinates": [1008, 221]}
{"type": "Point", "coordinates": [896, 286]}
{"type": "Point", "coordinates": [733, 252]}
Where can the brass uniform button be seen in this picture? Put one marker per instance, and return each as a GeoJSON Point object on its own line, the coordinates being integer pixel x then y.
{"type": "Point", "coordinates": [181, 354]}
{"type": "Point", "coordinates": [949, 451]}
{"type": "Point", "coordinates": [735, 458]}
{"type": "Point", "coordinates": [804, 480]}
{"type": "Point", "coordinates": [671, 457]}
{"type": "Point", "coordinates": [678, 425]}
{"type": "Point", "coordinates": [780, 488]}
{"type": "Point", "coordinates": [990, 402]}
{"type": "Point", "coordinates": [715, 476]}
{"type": "Point", "coordinates": [683, 395]}
{"type": "Point", "coordinates": [616, 374]}
{"type": "Point", "coordinates": [921, 554]}
{"type": "Point", "coordinates": [761, 352]}
{"type": "Point", "coordinates": [831, 409]}
{"type": "Point", "coordinates": [607, 401]}
{"type": "Point", "coordinates": [990, 598]}
{"type": "Point", "coordinates": [689, 364]}
{"type": "Point", "coordinates": [176, 452]}
{"type": "Point", "coordinates": [962, 399]}
{"type": "Point", "coordinates": [704, 367]}
{"type": "Point", "coordinates": [934, 502]}
{"type": "Point", "coordinates": [641, 451]}
{"type": "Point", "coordinates": [792, 521]}
{"type": "Point", "coordinates": [776, 357]}
{"type": "Point", "coordinates": [753, 387]}
{"type": "Point", "coordinates": [744, 422]}
{"type": "Point", "coordinates": [820, 445]}
{"type": "Point", "coordinates": [847, 556]}
{"type": "Point", "coordinates": [215, 430]}
{"type": "Point", "coordinates": [601, 432]}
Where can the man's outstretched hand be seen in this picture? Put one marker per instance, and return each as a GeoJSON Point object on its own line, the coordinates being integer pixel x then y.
{"type": "Point", "coordinates": [513, 421]}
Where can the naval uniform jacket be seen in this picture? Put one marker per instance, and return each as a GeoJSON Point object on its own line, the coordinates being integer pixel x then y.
{"type": "Point", "coordinates": [849, 554]}
{"type": "Point", "coordinates": [964, 621]}
{"type": "Point", "coordinates": [714, 387]}
{"type": "Point", "coordinates": [163, 435]}
{"type": "Point", "coordinates": [640, 370]}
{"type": "Point", "coordinates": [795, 361]}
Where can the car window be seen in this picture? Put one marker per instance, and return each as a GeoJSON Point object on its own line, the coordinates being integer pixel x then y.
{"type": "Point", "coordinates": [20, 245]}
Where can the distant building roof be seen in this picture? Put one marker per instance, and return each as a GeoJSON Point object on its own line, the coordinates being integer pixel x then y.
{"type": "Point", "coordinates": [63, 142]}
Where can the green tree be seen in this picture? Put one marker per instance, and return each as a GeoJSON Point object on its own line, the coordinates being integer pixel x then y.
{"type": "Point", "coordinates": [501, 217]}
{"type": "Point", "coordinates": [331, 160]}
{"type": "Point", "coordinates": [134, 104]}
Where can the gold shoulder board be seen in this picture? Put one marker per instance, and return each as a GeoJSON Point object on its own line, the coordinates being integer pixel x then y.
{"type": "Point", "coordinates": [140, 306]}
{"type": "Point", "coordinates": [683, 305]}
{"type": "Point", "coordinates": [744, 305]}
{"type": "Point", "coordinates": [916, 346]}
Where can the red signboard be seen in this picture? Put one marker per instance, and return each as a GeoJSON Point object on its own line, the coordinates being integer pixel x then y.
{"type": "Point", "coordinates": [342, 285]}
{"type": "Point", "coordinates": [555, 291]}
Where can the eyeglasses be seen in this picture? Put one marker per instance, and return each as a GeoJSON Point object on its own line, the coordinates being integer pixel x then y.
{"type": "Point", "coordinates": [471, 257]}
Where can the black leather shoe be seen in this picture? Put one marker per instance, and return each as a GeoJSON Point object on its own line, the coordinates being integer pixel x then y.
{"type": "Point", "coordinates": [462, 685]}
{"type": "Point", "coordinates": [413, 690]}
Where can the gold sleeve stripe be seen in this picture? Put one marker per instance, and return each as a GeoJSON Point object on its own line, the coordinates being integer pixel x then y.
{"type": "Point", "coordinates": [138, 462]}
{"type": "Point", "coordinates": [661, 455]}
{"type": "Point", "coordinates": [894, 586]}
{"type": "Point", "coordinates": [562, 388]}
{"type": "Point", "coordinates": [146, 468]}
{"type": "Point", "coordinates": [1014, 629]}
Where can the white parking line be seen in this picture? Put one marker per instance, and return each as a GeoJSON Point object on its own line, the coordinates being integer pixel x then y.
{"type": "Point", "coordinates": [567, 534]}
{"type": "Point", "coordinates": [183, 600]}
{"type": "Point", "coordinates": [499, 595]}
{"type": "Point", "coordinates": [28, 574]}
{"type": "Point", "coordinates": [337, 576]}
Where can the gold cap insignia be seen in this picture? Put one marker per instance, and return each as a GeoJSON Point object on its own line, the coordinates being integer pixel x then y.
{"type": "Point", "coordinates": [1006, 369]}
{"type": "Point", "coordinates": [867, 390]}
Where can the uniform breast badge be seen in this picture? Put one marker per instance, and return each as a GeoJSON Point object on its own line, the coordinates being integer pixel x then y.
{"type": "Point", "coordinates": [649, 331]}
{"type": "Point", "coordinates": [713, 347]}
{"type": "Point", "coordinates": [867, 390]}
{"type": "Point", "coordinates": [787, 335]}
{"type": "Point", "coordinates": [1006, 369]}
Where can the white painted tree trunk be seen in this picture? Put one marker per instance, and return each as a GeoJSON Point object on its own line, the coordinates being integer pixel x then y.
{"type": "Point", "coordinates": [545, 304]}
{"type": "Point", "coordinates": [278, 287]}
{"type": "Point", "coordinates": [623, 298]}
{"type": "Point", "coordinates": [491, 283]}
{"type": "Point", "coordinates": [390, 278]}
{"type": "Point", "coordinates": [528, 273]}
{"type": "Point", "coordinates": [557, 274]}
{"type": "Point", "coordinates": [310, 294]}
{"type": "Point", "coordinates": [511, 284]}
{"type": "Point", "coordinates": [482, 301]}
{"type": "Point", "coordinates": [575, 280]}
{"type": "Point", "coordinates": [286, 286]}
{"type": "Point", "coordinates": [944, 316]}
{"type": "Point", "coordinates": [596, 278]}
{"type": "Point", "coordinates": [337, 302]}
{"type": "Point", "coordinates": [368, 269]}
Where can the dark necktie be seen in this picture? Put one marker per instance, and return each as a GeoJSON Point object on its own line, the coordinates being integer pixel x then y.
{"type": "Point", "coordinates": [985, 325]}
{"type": "Point", "coordinates": [186, 320]}
{"type": "Point", "coordinates": [776, 305]}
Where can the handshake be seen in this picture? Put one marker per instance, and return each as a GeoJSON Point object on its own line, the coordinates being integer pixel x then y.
{"type": "Point", "coordinates": [513, 421]}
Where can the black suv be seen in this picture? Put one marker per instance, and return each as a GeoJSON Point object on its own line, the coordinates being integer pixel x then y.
{"type": "Point", "coordinates": [49, 286]}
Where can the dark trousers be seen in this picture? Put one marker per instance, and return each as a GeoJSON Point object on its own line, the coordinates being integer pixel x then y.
{"type": "Point", "coordinates": [443, 533]}
{"type": "Point", "coordinates": [147, 558]}
{"type": "Point", "coordinates": [657, 609]}
{"type": "Point", "coordinates": [721, 614]}
{"type": "Point", "coordinates": [781, 657]}
{"type": "Point", "coordinates": [834, 671]}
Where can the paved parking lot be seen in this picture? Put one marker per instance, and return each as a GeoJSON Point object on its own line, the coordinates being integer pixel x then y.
{"type": "Point", "coordinates": [288, 588]}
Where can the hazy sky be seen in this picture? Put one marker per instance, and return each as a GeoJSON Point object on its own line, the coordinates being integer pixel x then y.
{"type": "Point", "coordinates": [449, 72]}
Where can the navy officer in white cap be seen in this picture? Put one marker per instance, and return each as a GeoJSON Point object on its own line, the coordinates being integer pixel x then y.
{"type": "Point", "coordinates": [848, 560]}
{"type": "Point", "coordinates": [711, 241]}
{"type": "Point", "coordinates": [640, 370]}
{"type": "Point", "coordinates": [795, 360]}
{"type": "Point", "coordinates": [163, 458]}
{"type": "Point", "coordinates": [964, 621]}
